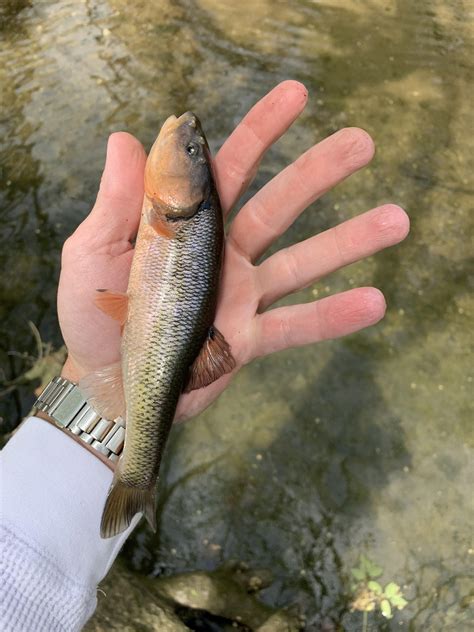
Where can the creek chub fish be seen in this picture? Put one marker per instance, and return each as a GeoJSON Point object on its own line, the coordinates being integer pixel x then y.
{"type": "Point", "coordinates": [169, 343]}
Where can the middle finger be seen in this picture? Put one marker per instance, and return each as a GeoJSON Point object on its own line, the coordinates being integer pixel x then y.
{"type": "Point", "coordinates": [276, 206]}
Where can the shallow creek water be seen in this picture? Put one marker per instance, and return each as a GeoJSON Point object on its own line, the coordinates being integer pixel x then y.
{"type": "Point", "coordinates": [313, 456]}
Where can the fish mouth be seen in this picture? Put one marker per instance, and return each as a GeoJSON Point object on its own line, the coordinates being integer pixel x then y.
{"type": "Point", "coordinates": [173, 123]}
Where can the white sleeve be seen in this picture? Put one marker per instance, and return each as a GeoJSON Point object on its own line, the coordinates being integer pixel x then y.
{"type": "Point", "coordinates": [52, 496]}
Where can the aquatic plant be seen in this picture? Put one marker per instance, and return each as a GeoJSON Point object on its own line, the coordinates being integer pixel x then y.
{"type": "Point", "coordinates": [41, 368]}
{"type": "Point", "coordinates": [368, 594]}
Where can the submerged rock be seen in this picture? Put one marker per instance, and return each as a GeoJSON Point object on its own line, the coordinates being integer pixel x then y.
{"type": "Point", "coordinates": [223, 599]}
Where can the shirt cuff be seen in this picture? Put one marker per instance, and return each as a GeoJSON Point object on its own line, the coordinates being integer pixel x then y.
{"type": "Point", "coordinates": [53, 494]}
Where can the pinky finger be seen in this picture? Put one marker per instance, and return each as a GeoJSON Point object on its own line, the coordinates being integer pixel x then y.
{"type": "Point", "coordinates": [330, 317]}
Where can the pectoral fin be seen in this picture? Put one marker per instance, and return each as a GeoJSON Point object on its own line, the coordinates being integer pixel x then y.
{"type": "Point", "coordinates": [114, 304]}
{"type": "Point", "coordinates": [103, 389]}
{"type": "Point", "coordinates": [214, 360]}
{"type": "Point", "coordinates": [159, 224]}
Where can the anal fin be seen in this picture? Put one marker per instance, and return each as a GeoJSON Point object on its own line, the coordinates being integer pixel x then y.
{"type": "Point", "coordinates": [103, 389]}
{"type": "Point", "coordinates": [214, 360]}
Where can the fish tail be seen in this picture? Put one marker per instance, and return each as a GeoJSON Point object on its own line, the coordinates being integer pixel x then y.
{"type": "Point", "coordinates": [123, 502]}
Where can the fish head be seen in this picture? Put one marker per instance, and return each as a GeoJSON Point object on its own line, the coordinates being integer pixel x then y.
{"type": "Point", "coordinates": [178, 172]}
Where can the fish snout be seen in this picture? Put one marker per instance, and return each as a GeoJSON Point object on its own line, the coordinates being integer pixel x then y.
{"type": "Point", "coordinates": [188, 118]}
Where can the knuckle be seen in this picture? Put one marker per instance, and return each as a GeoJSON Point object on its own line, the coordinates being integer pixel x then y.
{"type": "Point", "coordinates": [344, 243]}
{"type": "Point", "coordinates": [285, 333]}
{"type": "Point", "coordinates": [322, 318]}
{"type": "Point", "coordinates": [236, 170]}
{"type": "Point", "coordinates": [69, 246]}
{"type": "Point", "coordinates": [292, 267]}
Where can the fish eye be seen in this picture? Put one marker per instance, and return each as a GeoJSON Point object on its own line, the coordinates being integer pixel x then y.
{"type": "Point", "coordinates": [192, 149]}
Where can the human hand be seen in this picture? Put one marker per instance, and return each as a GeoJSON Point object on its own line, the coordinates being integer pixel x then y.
{"type": "Point", "coordinates": [99, 253]}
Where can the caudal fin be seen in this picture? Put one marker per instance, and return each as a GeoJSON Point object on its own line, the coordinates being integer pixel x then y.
{"type": "Point", "coordinates": [123, 502]}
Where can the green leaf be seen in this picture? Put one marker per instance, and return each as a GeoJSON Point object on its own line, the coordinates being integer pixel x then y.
{"type": "Point", "coordinates": [371, 569]}
{"type": "Point", "coordinates": [398, 601]}
{"type": "Point", "coordinates": [358, 573]}
{"type": "Point", "coordinates": [374, 570]}
{"type": "Point", "coordinates": [391, 590]}
{"type": "Point", "coordinates": [386, 609]}
{"type": "Point", "coordinates": [364, 562]}
{"type": "Point", "coordinates": [375, 587]}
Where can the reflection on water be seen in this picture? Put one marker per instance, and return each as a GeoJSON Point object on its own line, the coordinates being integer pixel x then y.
{"type": "Point", "coordinates": [313, 455]}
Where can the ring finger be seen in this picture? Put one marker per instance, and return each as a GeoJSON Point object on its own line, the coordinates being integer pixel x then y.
{"type": "Point", "coordinates": [298, 266]}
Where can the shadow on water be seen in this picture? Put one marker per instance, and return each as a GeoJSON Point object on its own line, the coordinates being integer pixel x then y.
{"type": "Point", "coordinates": [349, 443]}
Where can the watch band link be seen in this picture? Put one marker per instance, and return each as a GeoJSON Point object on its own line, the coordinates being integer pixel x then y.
{"type": "Point", "coordinates": [64, 403]}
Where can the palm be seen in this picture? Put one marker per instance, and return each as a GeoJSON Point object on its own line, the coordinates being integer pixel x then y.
{"type": "Point", "coordinates": [235, 314]}
{"type": "Point", "coordinates": [99, 254]}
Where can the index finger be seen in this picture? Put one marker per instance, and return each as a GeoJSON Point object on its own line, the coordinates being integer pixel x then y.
{"type": "Point", "coordinates": [237, 161]}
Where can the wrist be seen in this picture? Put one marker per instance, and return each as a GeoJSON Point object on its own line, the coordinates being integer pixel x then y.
{"type": "Point", "coordinates": [45, 417]}
{"type": "Point", "coordinates": [63, 405]}
{"type": "Point", "coordinates": [71, 371]}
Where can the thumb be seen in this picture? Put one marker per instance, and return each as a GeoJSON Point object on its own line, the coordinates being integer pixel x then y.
{"type": "Point", "coordinates": [116, 212]}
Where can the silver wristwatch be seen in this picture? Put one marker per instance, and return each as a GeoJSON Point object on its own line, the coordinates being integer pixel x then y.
{"type": "Point", "coordinates": [64, 403]}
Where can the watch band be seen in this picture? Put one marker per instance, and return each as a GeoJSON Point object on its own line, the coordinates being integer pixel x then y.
{"type": "Point", "coordinates": [63, 401]}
